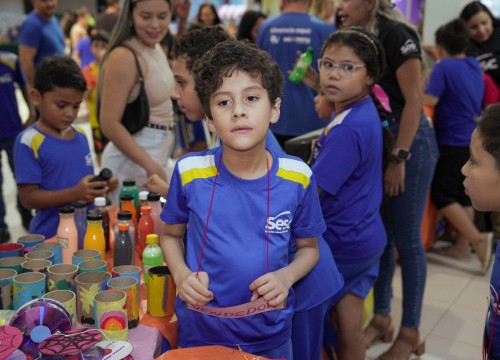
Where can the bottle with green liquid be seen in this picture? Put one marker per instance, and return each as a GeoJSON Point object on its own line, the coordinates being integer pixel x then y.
{"type": "Point", "coordinates": [304, 61]}
{"type": "Point", "coordinates": [152, 255]}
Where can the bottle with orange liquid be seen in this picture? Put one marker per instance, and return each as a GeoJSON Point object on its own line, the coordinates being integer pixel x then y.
{"type": "Point", "coordinates": [146, 226]}
{"type": "Point", "coordinates": [94, 237]}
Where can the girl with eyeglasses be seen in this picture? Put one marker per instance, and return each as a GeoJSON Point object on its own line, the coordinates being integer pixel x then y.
{"type": "Point", "coordinates": [348, 166]}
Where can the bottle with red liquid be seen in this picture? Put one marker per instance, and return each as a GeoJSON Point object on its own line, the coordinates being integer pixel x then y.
{"type": "Point", "coordinates": [146, 226]}
{"type": "Point", "coordinates": [154, 203]}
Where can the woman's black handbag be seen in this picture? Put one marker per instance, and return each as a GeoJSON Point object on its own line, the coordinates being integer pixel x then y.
{"type": "Point", "coordinates": [136, 114]}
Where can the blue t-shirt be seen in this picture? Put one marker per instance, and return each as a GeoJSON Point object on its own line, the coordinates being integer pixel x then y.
{"type": "Point", "coordinates": [53, 164]}
{"type": "Point", "coordinates": [282, 36]}
{"type": "Point", "coordinates": [44, 35]}
{"type": "Point", "coordinates": [348, 167]}
{"type": "Point", "coordinates": [459, 85]}
{"type": "Point", "coordinates": [235, 250]}
{"type": "Point", "coordinates": [494, 306]}
{"type": "Point", "coordinates": [86, 56]}
{"type": "Point", "coordinates": [10, 73]}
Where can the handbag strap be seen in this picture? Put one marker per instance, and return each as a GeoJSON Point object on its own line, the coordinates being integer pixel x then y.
{"type": "Point", "coordinates": [137, 64]}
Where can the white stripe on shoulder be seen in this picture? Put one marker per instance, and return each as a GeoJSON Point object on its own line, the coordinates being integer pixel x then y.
{"type": "Point", "coordinates": [27, 137]}
{"type": "Point", "coordinates": [196, 162]}
{"type": "Point", "coordinates": [339, 119]}
{"type": "Point", "coordinates": [296, 166]}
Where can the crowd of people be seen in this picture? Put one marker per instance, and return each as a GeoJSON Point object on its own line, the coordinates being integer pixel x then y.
{"type": "Point", "coordinates": [323, 234]}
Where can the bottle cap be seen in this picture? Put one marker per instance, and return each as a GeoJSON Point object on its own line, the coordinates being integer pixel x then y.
{"type": "Point", "coordinates": [105, 174]}
{"type": "Point", "coordinates": [151, 239]}
{"type": "Point", "coordinates": [127, 197]}
{"type": "Point", "coordinates": [154, 196]}
{"type": "Point", "coordinates": [67, 210]}
{"type": "Point", "coordinates": [100, 201]}
{"type": "Point", "coordinates": [79, 204]}
{"type": "Point", "coordinates": [123, 226]}
{"type": "Point", "coordinates": [145, 209]}
{"type": "Point", "coordinates": [94, 216]}
{"type": "Point", "coordinates": [143, 195]}
{"type": "Point", "coordinates": [128, 182]}
{"type": "Point", "coordinates": [124, 215]}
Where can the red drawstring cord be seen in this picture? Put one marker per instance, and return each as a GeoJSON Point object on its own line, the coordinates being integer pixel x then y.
{"type": "Point", "coordinates": [210, 211]}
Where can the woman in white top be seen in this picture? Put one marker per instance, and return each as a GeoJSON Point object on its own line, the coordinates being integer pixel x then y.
{"type": "Point", "coordinates": [141, 26]}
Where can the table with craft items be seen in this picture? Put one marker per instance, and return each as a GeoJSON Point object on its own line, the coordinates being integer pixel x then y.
{"type": "Point", "coordinates": [149, 337]}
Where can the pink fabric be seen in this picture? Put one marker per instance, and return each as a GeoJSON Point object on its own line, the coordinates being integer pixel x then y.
{"type": "Point", "coordinates": [381, 96]}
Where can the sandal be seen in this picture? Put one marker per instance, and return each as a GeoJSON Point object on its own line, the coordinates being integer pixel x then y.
{"type": "Point", "coordinates": [379, 328]}
{"type": "Point", "coordinates": [407, 342]}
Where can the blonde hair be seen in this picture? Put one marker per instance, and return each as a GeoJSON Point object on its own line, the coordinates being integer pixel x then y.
{"type": "Point", "coordinates": [385, 9]}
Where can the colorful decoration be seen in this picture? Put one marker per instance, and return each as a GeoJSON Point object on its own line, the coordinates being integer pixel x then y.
{"type": "Point", "coordinates": [10, 340]}
{"type": "Point", "coordinates": [70, 342]}
{"type": "Point", "coordinates": [111, 314]}
{"type": "Point", "coordinates": [113, 321]}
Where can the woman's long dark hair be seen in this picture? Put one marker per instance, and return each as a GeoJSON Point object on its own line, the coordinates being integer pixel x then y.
{"type": "Point", "coordinates": [250, 17]}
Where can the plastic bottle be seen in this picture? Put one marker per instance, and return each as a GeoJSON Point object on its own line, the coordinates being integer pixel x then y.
{"type": "Point", "coordinates": [151, 256]}
{"type": "Point", "coordinates": [123, 249]}
{"type": "Point", "coordinates": [129, 188]}
{"type": "Point", "coordinates": [100, 206]}
{"type": "Point", "coordinates": [80, 221]}
{"type": "Point", "coordinates": [94, 237]}
{"type": "Point", "coordinates": [305, 60]}
{"type": "Point", "coordinates": [127, 204]}
{"type": "Point", "coordinates": [154, 203]}
{"type": "Point", "coordinates": [67, 234]}
{"type": "Point", "coordinates": [146, 226]}
{"type": "Point", "coordinates": [125, 217]}
{"type": "Point", "coordinates": [143, 201]}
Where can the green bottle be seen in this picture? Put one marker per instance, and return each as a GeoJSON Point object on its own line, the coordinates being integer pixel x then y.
{"type": "Point", "coordinates": [129, 188]}
{"type": "Point", "coordinates": [152, 255]}
{"type": "Point", "coordinates": [304, 61]}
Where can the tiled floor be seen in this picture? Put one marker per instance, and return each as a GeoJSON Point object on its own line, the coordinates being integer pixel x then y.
{"type": "Point", "coordinates": [454, 304]}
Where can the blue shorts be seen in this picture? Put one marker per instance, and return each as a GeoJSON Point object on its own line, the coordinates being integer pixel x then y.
{"type": "Point", "coordinates": [359, 278]}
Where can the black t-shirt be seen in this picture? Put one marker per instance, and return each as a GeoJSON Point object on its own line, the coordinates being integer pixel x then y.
{"type": "Point", "coordinates": [400, 44]}
{"type": "Point", "coordinates": [488, 55]}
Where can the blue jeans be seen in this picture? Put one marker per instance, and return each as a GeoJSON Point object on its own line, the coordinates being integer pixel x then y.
{"type": "Point", "coordinates": [402, 216]}
{"type": "Point", "coordinates": [8, 146]}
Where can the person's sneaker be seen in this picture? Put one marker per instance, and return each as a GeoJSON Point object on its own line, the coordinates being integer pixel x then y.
{"type": "Point", "coordinates": [4, 235]}
{"type": "Point", "coordinates": [483, 250]}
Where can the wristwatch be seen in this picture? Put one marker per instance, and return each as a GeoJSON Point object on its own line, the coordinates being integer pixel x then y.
{"type": "Point", "coordinates": [401, 155]}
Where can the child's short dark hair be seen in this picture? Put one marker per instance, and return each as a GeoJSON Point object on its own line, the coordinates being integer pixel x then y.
{"type": "Point", "coordinates": [453, 37]}
{"type": "Point", "coordinates": [58, 71]}
{"type": "Point", "coordinates": [489, 128]}
{"type": "Point", "coordinates": [235, 55]}
{"type": "Point", "coordinates": [196, 43]}
{"type": "Point", "coordinates": [99, 35]}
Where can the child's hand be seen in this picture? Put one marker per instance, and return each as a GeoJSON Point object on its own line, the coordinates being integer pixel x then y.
{"type": "Point", "coordinates": [155, 168]}
{"type": "Point", "coordinates": [87, 190]}
{"type": "Point", "coordinates": [272, 286]}
{"type": "Point", "coordinates": [112, 183]}
{"type": "Point", "coordinates": [194, 290]}
{"type": "Point", "coordinates": [156, 184]}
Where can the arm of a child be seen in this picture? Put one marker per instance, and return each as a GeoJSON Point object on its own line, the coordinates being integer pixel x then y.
{"type": "Point", "coordinates": [157, 184]}
{"type": "Point", "coordinates": [274, 286]}
{"type": "Point", "coordinates": [430, 100]}
{"type": "Point", "coordinates": [33, 197]}
{"type": "Point", "coordinates": [25, 91]}
{"type": "Point", "coordinates": [192, 289]}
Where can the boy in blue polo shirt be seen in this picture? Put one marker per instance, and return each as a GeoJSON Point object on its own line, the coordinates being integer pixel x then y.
{"type": "Point", "coordinates": [456, 88]}
{"type": "Point", "coordinates": [11, 125]}
{"type": "Point", "coordinates": [245, 204]}
{"type": "Point", "coordinates": [52, 158]}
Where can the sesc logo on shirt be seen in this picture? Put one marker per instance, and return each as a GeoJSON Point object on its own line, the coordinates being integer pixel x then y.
{"type": "Point", "coordinates": [280, 223]}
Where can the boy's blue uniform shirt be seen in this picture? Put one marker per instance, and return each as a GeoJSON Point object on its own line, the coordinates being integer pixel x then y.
{"type": "Point", "coordinates": [493, 306]}
{"type": "Point", "coordinates": [235, 249]}
{"type": "Point", "coordinates": [10, 73]}
{"type": "Point", "coordinates": [53, 164]}
{"type": "Point", "coordinates": [459, 85]}
{"type": "Point", "coordinates": [44, 35]}
{"type": "Point", "coordinates": [348, 167]}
